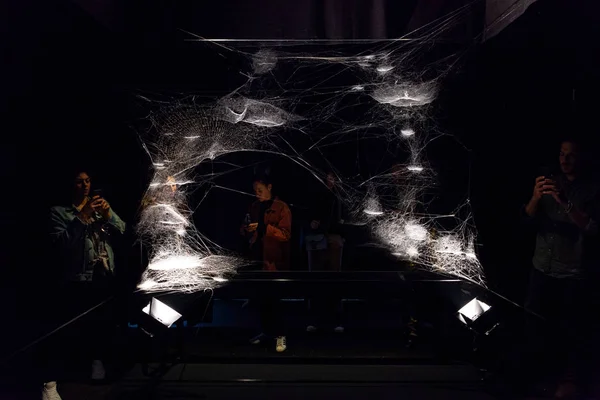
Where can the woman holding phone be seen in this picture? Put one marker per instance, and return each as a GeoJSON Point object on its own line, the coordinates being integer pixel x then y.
{"type": "Point", "coordinates": [269, 231]}
{"type": "Point", "coordinates": [82, 233]}
{"type": "Point", "coordinates": [270, 226]}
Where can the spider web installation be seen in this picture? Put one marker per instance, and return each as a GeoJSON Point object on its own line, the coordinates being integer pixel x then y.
{"type": "Point", "coordinates": [307, 102]}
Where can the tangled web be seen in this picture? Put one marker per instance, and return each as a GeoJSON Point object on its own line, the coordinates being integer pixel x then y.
{"type": "Point", "coordinates": [305, 102]}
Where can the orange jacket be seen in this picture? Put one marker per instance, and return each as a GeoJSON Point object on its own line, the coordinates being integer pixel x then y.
{"type": "Point", "coordinates": [276, 241]}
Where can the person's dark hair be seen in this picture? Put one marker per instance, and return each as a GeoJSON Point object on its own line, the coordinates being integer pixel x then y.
{"type": "Point", "coordinates": [64, 184]}
{"type": "Point", "coordinates": [263, 178]}
{"type": "Point", "coordinates": [571, 139]}
{"type": "Point", "coordinates": [584, 151]}
{"type": "Point", "coordinates": [582, 148]}
{"type": "Point", "coordinates": [76, 170]}
{"type": "Point", "coordinates": [262, 173]}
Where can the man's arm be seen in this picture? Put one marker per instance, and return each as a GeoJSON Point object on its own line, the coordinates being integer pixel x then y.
{"type": "Point", "coordinates": [539, 189]}
{"type": "Point", "coordinates": [321, 210]}
{"type": "Point", "coordinates": [582, 220]}
{"type": "Point", "coordinates": [63, 232]}
{"type": "Point", "coordinates": [594, 213]}
{"type": "Point", "coordinates": [579, 216]}
{"type": "Point", "coordinates": [586, 219]}
{"type": "Point", "coordinates": [531, 208]}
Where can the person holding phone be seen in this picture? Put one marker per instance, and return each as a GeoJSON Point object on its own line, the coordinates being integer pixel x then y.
{"type": "Point", "coordinates": [82, 234]}
{"type": "Point", "coordinates": [268, 228]}
{"type": "Point", "coordinates": [565, 209]}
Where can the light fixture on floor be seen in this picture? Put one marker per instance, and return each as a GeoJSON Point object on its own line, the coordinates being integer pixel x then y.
{"type": "Point", "coordinates": [478, 318]}
{"type": "Point", "coordinates": [168, 310]}
{"type": "Point", "coordinates": [471, 311]}
{"type": "Point", "coordinates": [161, 312]}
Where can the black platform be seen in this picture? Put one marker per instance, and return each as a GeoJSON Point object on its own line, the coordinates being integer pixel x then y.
{"type": "Point", "coordinates": [220, 363]}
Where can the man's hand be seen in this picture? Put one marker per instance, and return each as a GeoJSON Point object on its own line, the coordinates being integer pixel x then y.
{"type": "Point", "coordinates": [315, 224]}
{"type": "Point", "coordinates": [551, 189]}
{"type": "Point", "coordinates": [560, 198]}
{"type": "Point", "coordinates": [538, 189]}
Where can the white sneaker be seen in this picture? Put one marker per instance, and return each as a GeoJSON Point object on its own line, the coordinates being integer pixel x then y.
{"type": "Point", "coordinates": [281, 344]}
{"type": "Point", "coordinates": [311, 329]}
{"type": "Point", "coordinates": [49, 391]}
{"type": "Point", "coordinates": [98, 371]}
{"type": "Point", "coordinates": [339, 329]}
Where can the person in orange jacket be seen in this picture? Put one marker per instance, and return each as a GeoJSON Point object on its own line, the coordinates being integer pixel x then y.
{"type": "Point", "coordinates": [268, 227]}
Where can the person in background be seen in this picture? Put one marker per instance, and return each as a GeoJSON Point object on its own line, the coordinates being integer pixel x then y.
{"type": "Point", "coordinates": [564, 208]}
{"type": "Point", "coordinates": [166, 193]}
{"type": "Point", "coordinates": [82, 233]}
{"type": "Point", "coordinates": [268, 228]}
{"type": "Point", "coordinates": [328, 213]}
{"type": "Point", "coordinates": [325, 245]}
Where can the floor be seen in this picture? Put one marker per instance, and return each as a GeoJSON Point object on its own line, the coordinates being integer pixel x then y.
{"type": "Point", "coordinates": [371, 359]}
{"type": "Point", "coordinates": [220, 363]}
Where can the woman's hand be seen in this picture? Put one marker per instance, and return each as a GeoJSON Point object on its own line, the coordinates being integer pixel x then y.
{"type": "Point", "coordinates": [91, 206]}
{"type": "Point", "coordinates": [251, 227]}
{"type": "Point", "coordinates": [104, 209]}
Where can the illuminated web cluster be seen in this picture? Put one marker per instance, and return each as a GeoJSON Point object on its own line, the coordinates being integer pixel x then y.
{"type": "Point", "coordinates": [418, 240]}
{"type": "Point", "coordinates": [301, 103]}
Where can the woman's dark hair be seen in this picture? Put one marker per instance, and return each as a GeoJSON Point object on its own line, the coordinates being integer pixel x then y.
{"type": "Point", "coordinates": [65, 183]}
{"type": "Point", "coordinates": [263, 178]}
{"type": "Point", "coordinates": [76, 170]}
{"type": "Point", "coordinates": [262, 174]}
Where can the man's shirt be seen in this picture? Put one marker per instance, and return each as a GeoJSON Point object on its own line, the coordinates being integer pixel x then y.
{"type": "Point", "coordinates": [560, 243]}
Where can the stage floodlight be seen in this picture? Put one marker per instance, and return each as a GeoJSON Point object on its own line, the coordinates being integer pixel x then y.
{"type": "Point", "coordinates": [161, 312]}
{"type": "Point", "coordinates": [173, 310]}
{"type": "Point", "coordinates": [471, 311]}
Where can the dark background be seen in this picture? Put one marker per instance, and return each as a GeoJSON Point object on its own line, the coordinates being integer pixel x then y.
{"type": "Point", "coordinates": [69, 82]}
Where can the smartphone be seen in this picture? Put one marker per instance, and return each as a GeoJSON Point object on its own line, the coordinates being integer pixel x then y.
{"type": "Point", "coordinates": [550, 174]}
{"type": "Point", "coordinates": [97, 192]}
{"type": "Point", "coordinates": [547, 172]}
